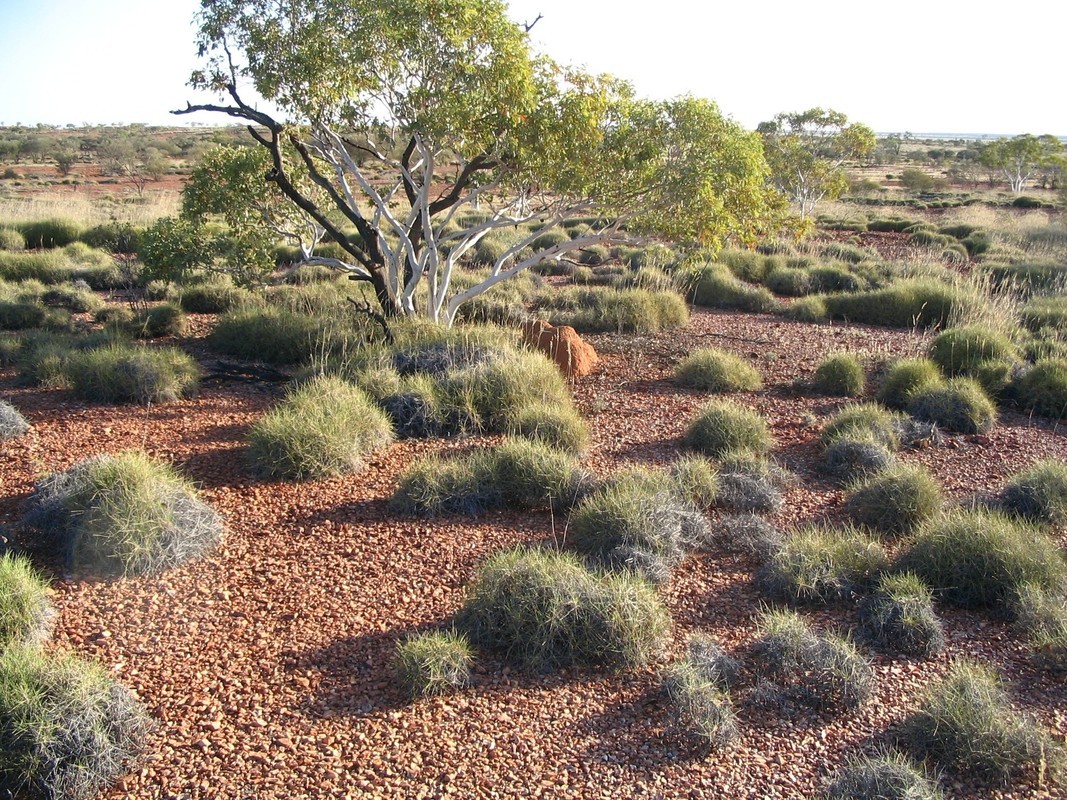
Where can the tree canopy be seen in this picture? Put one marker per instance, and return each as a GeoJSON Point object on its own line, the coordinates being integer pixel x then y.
{"type": "Point", "coordinates": [399, 119]}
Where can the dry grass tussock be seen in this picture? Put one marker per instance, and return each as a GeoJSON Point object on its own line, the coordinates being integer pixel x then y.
{"type": "Point", "coordinates": [88, 211]}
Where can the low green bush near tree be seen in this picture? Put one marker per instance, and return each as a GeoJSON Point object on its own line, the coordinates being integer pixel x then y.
{"type": "Point", "coordinates": [895, 500]}
{"type": "Point", "coordinates": [125, 373]}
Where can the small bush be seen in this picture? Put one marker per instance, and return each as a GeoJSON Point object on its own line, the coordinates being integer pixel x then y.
{"type": "Point", "coordinates": [26, 612]}
{"type": "Point", "coordinates": [848, 458]}
{"type": "Point", "coordinates": [165, 319]}
{"type": "Point", "coordinates": [914, 303]}
{"type": "Point", "coordinates": [966, 722]}
{"type": "Point", "coordinates": [123, 514]}
{"type": "Point", "coordinates": [702, 707]}
{"type": "Point", "coordinates": [273, 335]}
{"type": "Point", "coordinates": [840, 375]}
{"type": "Point", "coordinates": [714, 370]}
{"type": "Point", "coordinates": [123, 373]}
{"type": "Point", "coordinates": [1042, 617]}
{"type": "Point", "coordinates": [214, 297]}
{"type": "Point", "coordinates": [50, 233]}
{"type": "Point", "coordinates": [544, 610]}
{"type": "Point", "coordinates": [615, 310]}
{"type": "Point", "coordinates": [980, 559]}
{"type": "Point", "coordinates": [847, 253]}
{"type": "Point", "coordinates": [433, 663]}
{"type": "Point", "coordinates": [1043, 388]}
{"type": "Point", "coordinates": [823, 671]}
{"type": "Point", "coordinates": [807, 309]}
{"type": "Point", "coordinates": [67, 729]}
{"type": "Point", "coordinates": [748, 533]}
{"type": "Point", "coordinates": [899, 616]}
{"type": "Point", "coordinates": [711, 661]}
{"type": "Point", "coordinates": [722, 427]}
{"type": "Point", "coordinates": [960, 351]}
{"type": "Point", "coordinates": [561, 427]}
{"type": "Point", "coordinates": [325, 427]}
{"type": "Point", "coordinates": [790, 282]}
{"type": "Point", "coordinates": [864, 421]}
{"type": "Point", "coordinates": [1038, 493]}
{"type": "Point", "coordinates": [823, 564]}
{"type": "Point", "coordinates": [959, 405]}
{"type": "Point", "coordinates": [896, 500]}
{"type": "Point", "coordinates": [697, 480]}
{"type": "Point", "coordinates": [887, 776]}
{"type": "Point", "coordinates": [12, 423]}
{"type": "Point", "coordinates": [20, 316]}
{"type": "Point", "coordinates": [715, 286]}
{"type": "Point", "coordinates": [76, 298]}
{"type": "Point", "coordinates": [906, 377]}
{"type": "Point", "coordinates": [11, 239]}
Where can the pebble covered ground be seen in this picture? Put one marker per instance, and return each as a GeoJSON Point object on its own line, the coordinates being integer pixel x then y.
{"type": "Point", "coordinates": [268, 664]}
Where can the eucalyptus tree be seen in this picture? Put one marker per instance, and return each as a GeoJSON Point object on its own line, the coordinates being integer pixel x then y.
{"type": "Point", "coordinates": [408, 131]}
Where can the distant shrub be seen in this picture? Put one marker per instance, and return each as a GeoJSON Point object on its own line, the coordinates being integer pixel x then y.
{"type": "Point", "coordinates": [1043, 388]}
{"type": "Point", "coordinates": [77, 298]}
{"type": "Point", "coordinates": [823, 564]}
{"type": "Point", "coordinates": [959, 405]}
{"type": "Point", "coordinates": [896, 500]}
{"type": "Point", "coordinates": [325, 427]}
{"type": "Point", "coordinates": [544, 610]}
{"type": "Point", "coordinates": [214, 297]}
{"type": "Point", "coordinates": [747, 265]}
{"type": "Point", "coordinates": [123, 514]}
{"type": "Point", "coordinates": [865, 422]}
{"type": "Point", "coordinates": [50, 233]}
{"type": "Point", "coordinates": [433, 663]}
{"type": "Point", "coordinates": [886, 776]}
{"type": "Point", "coordinates": [920, 303]}
{"type": "Point", "coordinates": [12, 423]}
{"type": "Point", "coordinates": [702, 708]}
{"type": "Point", "coordinates": [165, 319]}
{"type": "Point", "coordinates": [830, 279]}
{"type": "Point", "coordinates": [823, 671]}
{"type": "Point", "coordinates": [616, 310]}
{"type": "Point", "coordinates": [722, 427]}
{"type": "Point", "coordinates": [1038, 493]}
{"type": "Point", "coordinates": [123, 373]}
{"type": "Point", "coordinates": [960, 351]}
{"type": "Point", "coordinates": [807, 309]}
{"type": "Point", "coordinates": [790, 282]}
{"type": "Point", "coordinates": [899, 616]}
{"type": "Point", "coordinates": [847, 253]}
{"type": "Point", "coordinates": [114, 237]}
{"type": "Point", "coordinates": [49, 267]}
{"type": "Point", "coordinates": [26, 612]}
{"type": "Point", "coordinates": [966, 721]}
{"type": "Point", "coordinates": [715, 370]}
{"type": "Point", "coordinates": [1024, 201]}
{"type": "Point", "coordinates": [1045, 312]}
{"type": "Point", "coordinates": [840, 375]}
{"type": "Point", "coordinates": [549, 238]}
{"type": "Point", "coordinates": [891, 225]}
{"type": "Point", "coordinates": [67, 729]}
{"type": "Point", "coordinates": [21, 315]}
{"type": "Point", "coordinates": [904, 378]}
{"type": "Point", "coordinates": [981, 559]}
{"type": "Point", "coordinates": [715, 286]}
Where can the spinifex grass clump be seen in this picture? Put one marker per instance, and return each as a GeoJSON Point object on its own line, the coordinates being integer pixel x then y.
{"type": "Point", "coordinates": [325, 427]}
{"type": "Point", "coordinates": [715, 286]}
{"type": "Point", "coordinates": [857, 456]}
{"type": "Point", "coordinates": [636, 522]}
{"type": "Point", "coordinates": [1038, 493]}
{"type": "Point", "coordinates": [961, 351]}
{"type": "Point", "coordinates": [67, 729]}
{"type": "Point", "coordinates": [270, 334]}
{"type": "Point", "coordinates": [12, 423]}
{"type": "Point", "coordinates": [714, 370]}
{"type": "Point", "coordinates": [959, 405]}
{"type": "Point", "coordinates": [751, 483]}
{"type": "Point", "coordinates": [748, 533]}
{"type": "Point", "coordinates": [697, 687]}
{"type": "Point", "coordinates": [433, 663]}
{"type": "Point", "coordinates": [125, 373]}
{"type": "Point", "coordinates": [1042, 617]}
{"type": "Point", "coordinates": [603, 309]}
{"type": "Point", "coordinates": [123, 514]}
{"type": "Point", "coordinates": [980, 559]}
{"type": "Point", "coordinates": [561, 427]}
{"type": "Point", "coordinates": [824, 671]}
{"type": "Point", "coordinates": [1043, 388]}
{"type": "Point", "coordinates": [864, 421]}
{"type": "Point", "coordinates": [696, 479]}
{"type": "Point", "coordinates": [895, 500]}
{"type": "Point", "coordinates": [966, 722]}
{"type": "Point", "coordinates": [886, 776]}
{"type": "Point", "coordinates": [26, 613]}
{"type": "Point", "coordinates": [899, 617]}
{"type": "Point", "coordinates": [823, 564]}
{"type": "Point", "coordinates": [840, 375]}
{"type": "Point", "coordinates": [543, 610]}
{"type": "Point", "coordinates": [906, 377]}
{"type": "Point", "coordinates": [723, 427]}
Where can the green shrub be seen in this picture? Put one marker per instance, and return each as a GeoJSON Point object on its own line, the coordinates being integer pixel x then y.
{"type": "Point", "coordinates": [1045, 312]}
{"type": "Point", "coordinates": [561, 427]}
{"type": "Point", "coordinates": [715, 286]}
{"type": "Point", "coordinates": [904, 378]}
{"type": "Point", "coordinates": [899, 616]}
{"type": "Point", "coordinates": [790, 282]}
{"type": "Point", "coordinates": [823, 671]}
{"type": "Point", "coordinates": [543, 610]}
{"type": "Point", "coordinates": [47, 267]}
{"type": "Point", "coordinates": [960, 351]}
{"type": "Point", "coordinates": [715, 370]}
{"type": "Point", "coordinates": [50, 233]}
{"type": "Point", "coordinates": [707, 657]}
{"type": "Point", "coordinates": [636, 522]}
{"type": "Point", "coordinates": [696, 479]}
{"type": "Point", "coordinates": [435, 485]}
{"type": "Point", "coordinates": [866, 422]}
{"type": "Point", "coordinates": [67, 729]}
{"type": "Point", "coordinates": [1038, 493]}
{"type": "Point", "coordinates": [114, 237]}
{"type": "Point", "coordinates": [1043, 388]}
{"type": "Point", "coordinates": [896, 500]}
{"type": "Point", "coordinates": [702, 708]}
{"type": "Point", "coordinates": [835, 279]}
{"type": "Point", "coordinates": [433, 663]}
{"type": "Point", "coordinates": [807, 309]}
{"type": "Point", "coordinates": [823, 564]}
{"type": "Point", "coordinates": [123, 373]}
{"type": "Point", "coordinates": [966, 721]}
{"type": "Point", "coordinates": [723, 427]}
{"type": "Point", "coordinates": [840, 375]}
{"type": "Point", "coordinates": [886, 776]}
{"type": "Point", "coordinates": [848, 458]}
{"type": "Point", "coordinates": [165, 319]}
{"type": "Point", "coordinates": [77, 298]}
{"type": "Point", "coordinates": [19, 316]}
{"type": "Point", "coordinates": [847, 253]}
{"type": "Point", "coordinates": [959, 405]}
{"type": "Point", "coordinates": [12, 423]}
{"type": "Point", "coordinates": [273, 335]}
{"type": "Point", "coordinates": [890, 225]}
{"type": "Point", "coordinates": [914, 303]}
{"type": "Point", "coordinates": [745, 264]}
{"type": "Point", "coordinates": [979, 559]}
{"type": "Point", "coordinates": [11, 239]}
{"type": "Point", "coordinates": [123, 514]}
{"type": "Point", "coordinates": [214, 297]}
{"type": "Point", "coordinates": [1042, 617]}
{"type": "Point", "coordinates": [324, 428]}
{"type": "Point", "coordinates": [549, 238]}
{"type": "Point", "coordinates": [26, 612]}
{"type": "Point", "coordinates": [615, 310]}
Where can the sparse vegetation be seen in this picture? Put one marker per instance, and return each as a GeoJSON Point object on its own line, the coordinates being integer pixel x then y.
{"type": "Point", "coordinates": [1038, 493]}
{"type": "Point", "coordinates": [823, 564]}
{"type": "Point", "coordinates": [433, 663]}
{"type": "Point", "coordinates": [898, 616]}
{"type": "Point", "coordinates": [26, 611]}
{"type": "Point", "coordinates": [12, 423]}
{"type": "Point", "coordinates": [887, 776]}
{"type": "Point", "coordinates": [959, 405]}
{"type": "Point", "coordinates": [123, 373]}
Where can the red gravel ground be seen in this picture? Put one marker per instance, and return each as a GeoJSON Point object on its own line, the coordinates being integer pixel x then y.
{"type": "Point", "coordinates": [268, 663]}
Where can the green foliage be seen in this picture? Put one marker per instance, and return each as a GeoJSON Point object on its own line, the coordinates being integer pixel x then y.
{"type": "Point", "coordinates": [560, 427]}
{"type": "Point", "coordinates": [325, 427]}
{"type": "Point", "coordinates": [823, 564]}
{"type": "Point", "coordinates": [702, 707]}
{"type": "Point", "coordinates": [543, 610]}
{"type": "Point", "coordinates": [714, 370]}
{"type": "Point", "coordinates": [12, 423]}
{"type": "Point", "coordinates": [840, 375]}
{"type": "Point", "coordinates": [748, 482]}
{"type": "Point", "coordinates": [67, 729]}
{"type": "Point", "coordinates": [1043, 388]}
{"type": "Point", "coordinates": [73, 297]}
{"type": "Point", "coordinates": [11, 239]}
{"type": "Point", "coordinates": [904, 378]}
{"type": "Point", "coordinates": [696, 479]}
{"type": "Point", "coordinates": [917, 302]}
{"type": "Point", "coordinates": [715, 286]}
{"type": "Point", "coordinates": [848, 253]}
{"type": "Point", "coordinates": [123, 514]}
{"type": "Point", "coordinates": [790, 282]}
{"type": "Point", "coordinates": [824, 671]}
{"type": "Point", "coordinates": [49, 266]}
{"type": "Point", "coordinates": [273, 335]}
{"type": "Point", "coordinates": [1042, 616]}
{"type": "Point", "coordinates": [966, 721]}
{"type": "Point", "coordinates": [50, 233]}
{"type": "Point", "coordinates": [615, 310]}
{"type": "Point", "coordinates": [896, 500]}
{"type": "Point", "coordinates": [850, 457]}
{"type": "Point", "coordinates": [723, 427]}
{"type": "Point", "coordinates": [172, 248]}
{"type": "Point", "coordinates": [960, 351]}
{"type": "Point", "coordinates": [1038, 493]}
{"type": "Point", "coordinates": [959, 405]}
{"type": "Point", "coordinates": [113, 237]}
{"type": "Point", "coordinates": [980, 559]}
{"type": "Point", "coordinates": [899, 617]}
{"type": "Point", "coordinates": [123, 373]}
{"type": "Point", "coordinates": [26, 612]}
{"type": "Point", "coordinates": [214, 297]}
{"type": "Point", "coordinates": [865, 422]}
{"type": "Point", "coordinates": [165, 319]}
{"type": "Point", "coordinates": [807, 309]}
{"type": "Point", "coordinates": [886, 776]}
{"type": "Point", "coordinates": [433, 663]}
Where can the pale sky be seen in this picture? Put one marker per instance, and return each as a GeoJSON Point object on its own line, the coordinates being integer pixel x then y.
{"type": "Point", "coordinates": [922, 66]}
